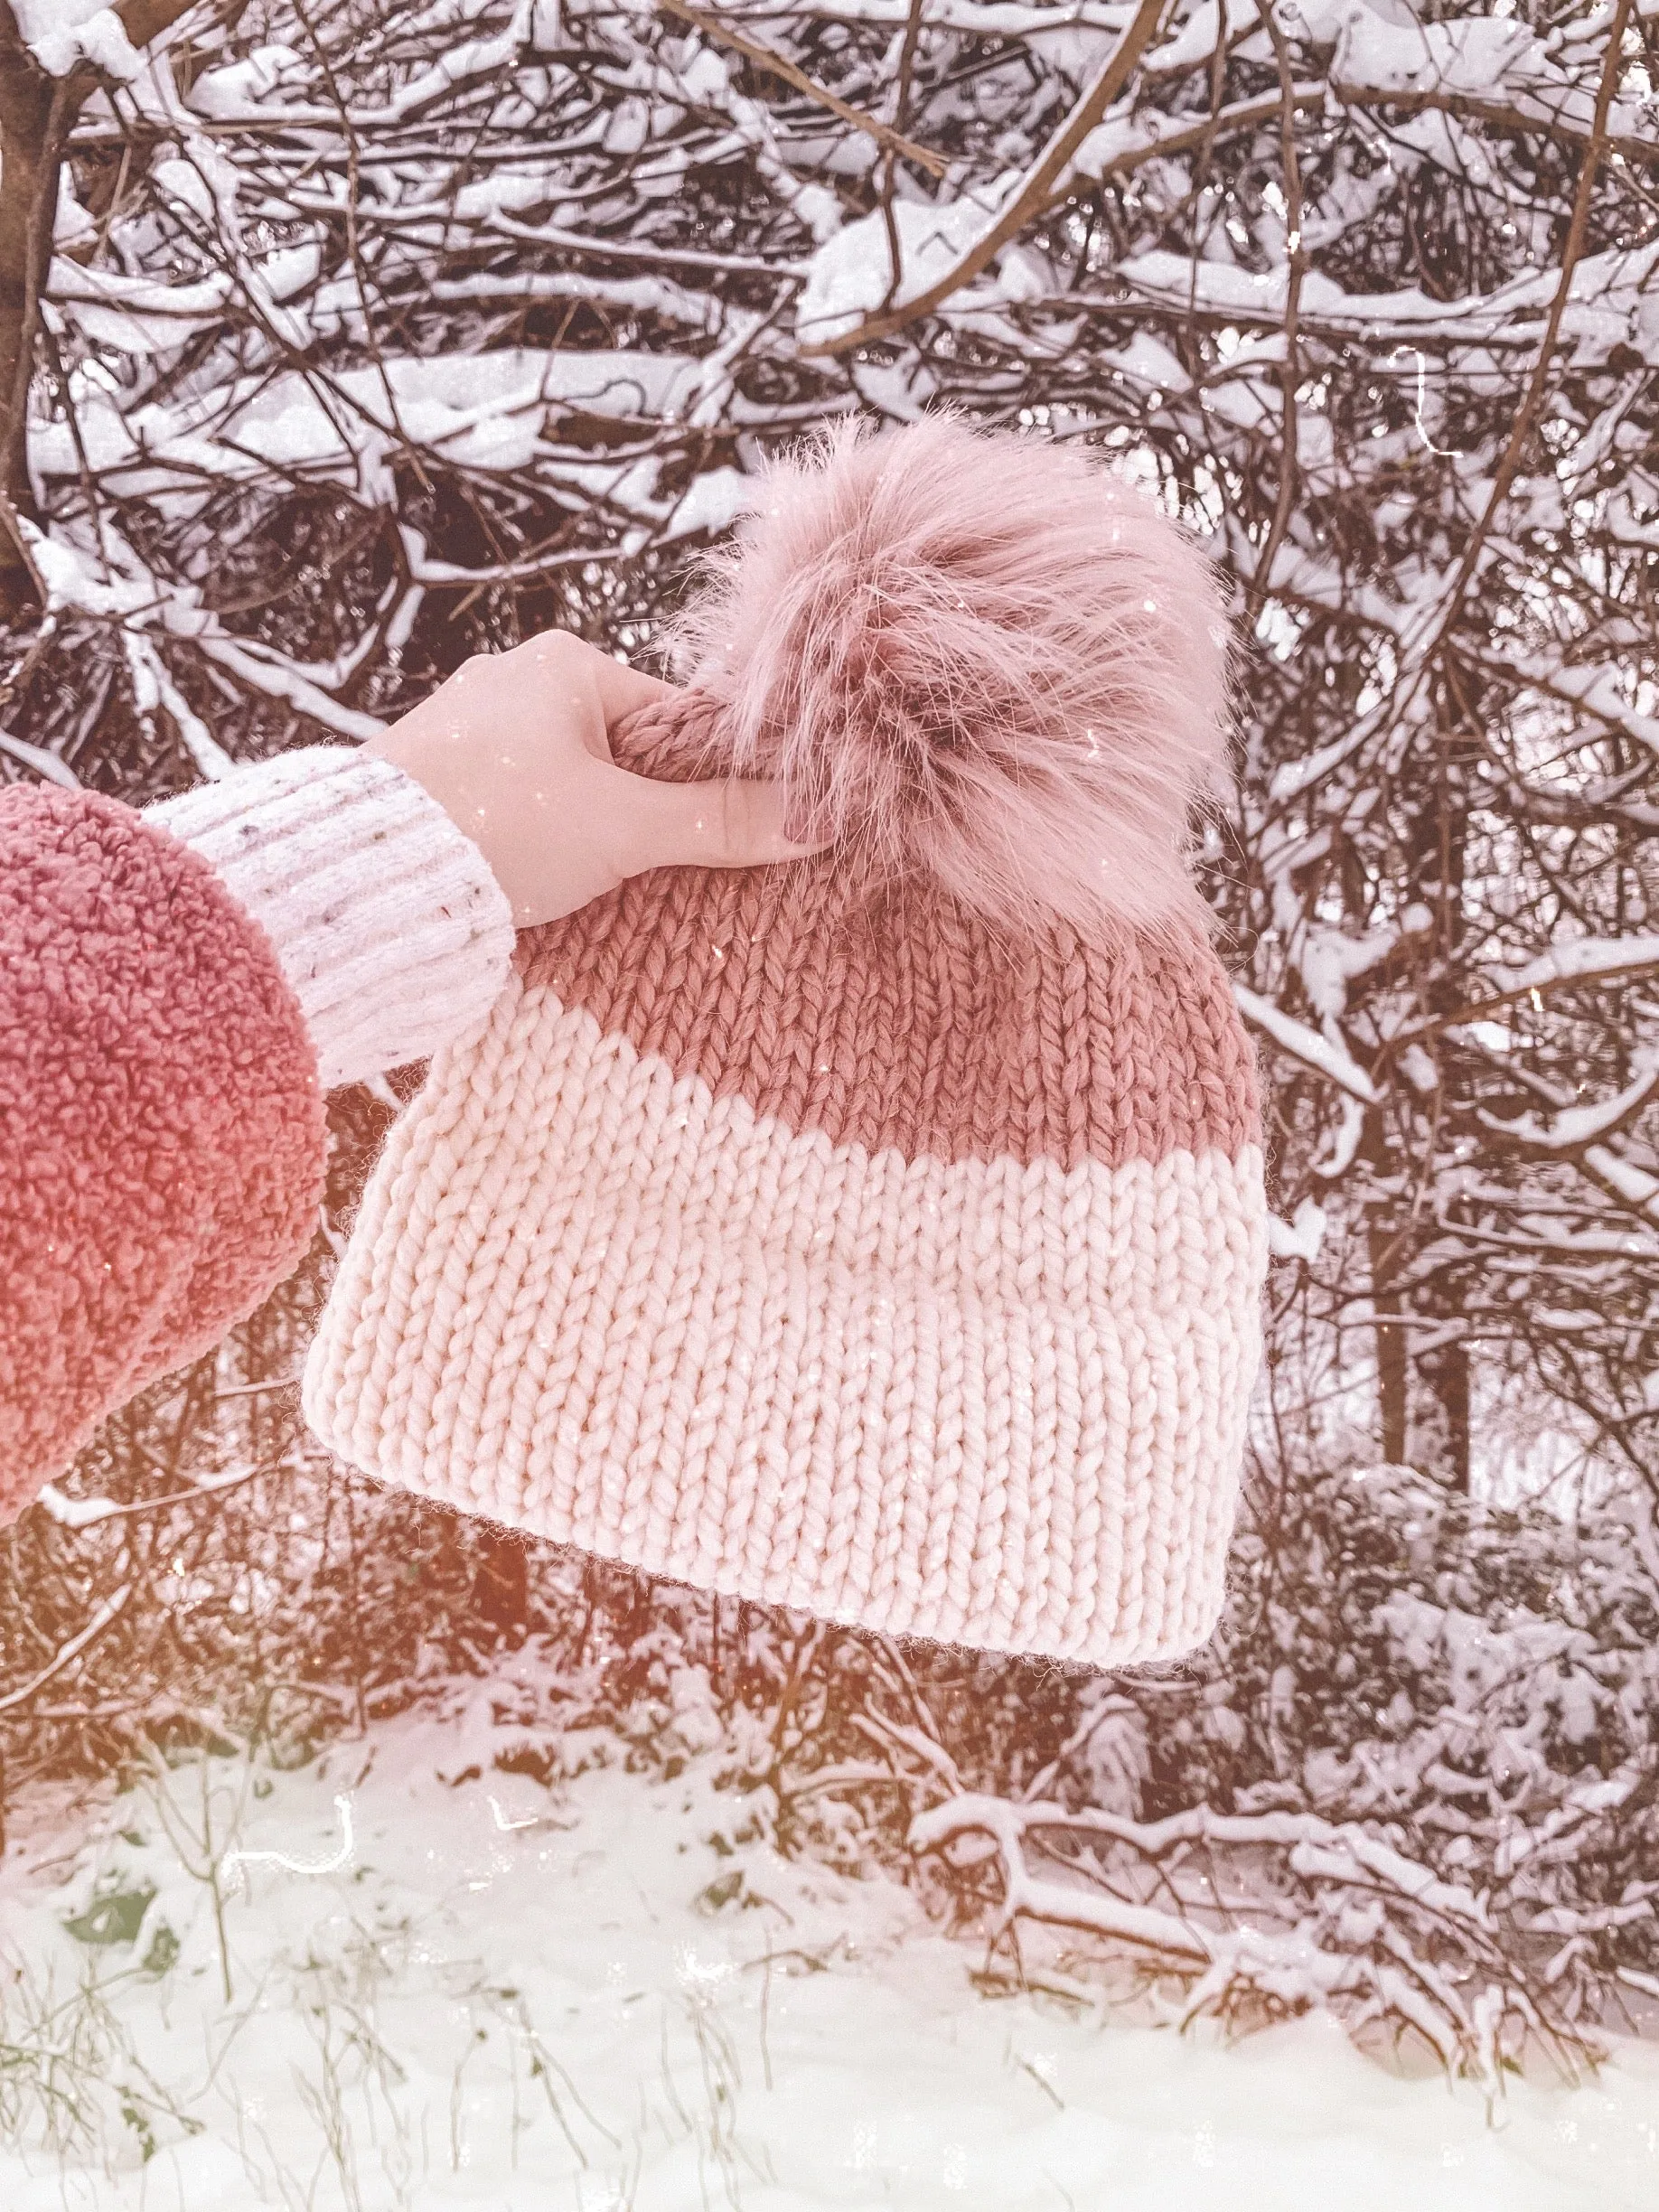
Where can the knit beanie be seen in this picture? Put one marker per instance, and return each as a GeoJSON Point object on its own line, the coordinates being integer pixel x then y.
{"type": "Point", "coordinates": [879, 1234]}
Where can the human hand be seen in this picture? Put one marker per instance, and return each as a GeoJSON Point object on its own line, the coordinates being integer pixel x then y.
{"type": "Point", "coordinates": [515, 748]}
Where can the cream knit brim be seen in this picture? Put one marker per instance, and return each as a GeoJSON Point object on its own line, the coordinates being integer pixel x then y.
{"type": "Point", "coordinates": [981, 1402]}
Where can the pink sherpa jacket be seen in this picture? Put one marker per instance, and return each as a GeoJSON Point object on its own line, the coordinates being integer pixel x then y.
{"type": "Point", "coordinates": [178, 989]}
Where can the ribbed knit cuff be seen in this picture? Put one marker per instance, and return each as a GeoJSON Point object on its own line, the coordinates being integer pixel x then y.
{"type": "Point", "coordinates": [388, 924]}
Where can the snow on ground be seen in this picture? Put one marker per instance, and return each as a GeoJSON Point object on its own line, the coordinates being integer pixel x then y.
{"type": "Point", "coordinates": [455, 1986]}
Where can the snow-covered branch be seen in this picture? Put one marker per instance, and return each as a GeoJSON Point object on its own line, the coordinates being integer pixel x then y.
{"type": "Point", "coordinates": [1342, 1921]}
{"type": "Point", "coordinates": [67, 1652]}
{"type": "Point", "coordinates": [1301, 1043]}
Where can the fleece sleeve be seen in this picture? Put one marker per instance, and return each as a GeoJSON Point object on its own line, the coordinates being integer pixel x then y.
{"type": "Point", "coordinates": [178, 989]}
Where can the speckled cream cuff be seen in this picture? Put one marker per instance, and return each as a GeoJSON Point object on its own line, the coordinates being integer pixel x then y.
{"type": "Point", "coordinates": [390, 929]}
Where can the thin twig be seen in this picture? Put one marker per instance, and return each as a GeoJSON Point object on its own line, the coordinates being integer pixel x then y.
{"type": "Point", "coordinates": [778, 65]}
{"type": "Point", "coordinates": [1028, 199]}
{"type": "Point", "coordinates": [72, 1650]}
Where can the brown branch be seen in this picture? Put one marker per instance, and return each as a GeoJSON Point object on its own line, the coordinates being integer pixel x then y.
{"type": "Point", "coordinates": [94, 1512]}
{"type": "Point", "coordinates": [145, 20]}
{"type": "Point", "coordinates": [1630, 1188]}
{"type": "Point", "coordinates": [778, 65]}
{"type": "Point", "coordinates": [1209, 130]}
{"type": "Point", "coordinates": [37, 113]}
{"type": "Point", "coordinates": [1525, 1137]}
{"type": "Point", "coordinates": [1028, 201]}
{"type": "Point", "coordinates": [1589, 1164]}
{"type": "Point", "coordinates": [360, 269]}
{"type": "Point", "coordinates": [901, 112]}
{"type": "Point", "coordinates": [1499, 115]}
{"type": "Point", "coordinates": [1479, 1009]}
{"type": "Point", "coordinates": [72, 1650]}
{"type": "Point", "coordinates": [30, 111]}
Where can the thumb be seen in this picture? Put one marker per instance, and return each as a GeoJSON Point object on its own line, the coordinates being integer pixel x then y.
{"type": "Point", "coordinates": [730, 823]}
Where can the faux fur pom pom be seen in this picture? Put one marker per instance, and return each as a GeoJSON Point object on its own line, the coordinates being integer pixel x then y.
{"type": "Point", "coordinates": [979, 657]}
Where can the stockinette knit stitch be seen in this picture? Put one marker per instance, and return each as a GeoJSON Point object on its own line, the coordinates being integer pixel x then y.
{"type": "Point", "coordinates": [883, 1234]}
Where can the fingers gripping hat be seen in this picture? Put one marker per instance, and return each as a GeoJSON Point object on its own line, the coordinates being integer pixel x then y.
{"type": "Point", "coordinates": [880, 1234]}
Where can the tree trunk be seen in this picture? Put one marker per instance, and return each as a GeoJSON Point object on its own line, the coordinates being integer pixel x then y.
{"type": "Point", "coordinates": [501, 1579]}
{"type": "Point", "coordinates": [1393, 1371]}
{"type": "Point", "coordinates": [37, 113]}
{"type": "Point", "coordinates": [1446, 1370]}
{"type": "Point", "coordinates": [1447, 1374]}
{"type": "Point", "coordinates": [35, 110]}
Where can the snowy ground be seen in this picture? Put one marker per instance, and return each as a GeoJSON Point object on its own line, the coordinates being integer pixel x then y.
{"type": "Point", "coordinates": [451, 1986]}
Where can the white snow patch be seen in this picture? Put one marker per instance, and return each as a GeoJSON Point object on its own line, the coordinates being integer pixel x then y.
{"type": "Point", "coordinates": [851, 274]}
{"type": "Point", "coordinates": [240, 91]}
{"type": "Point", "coordinates": [611, 1991]}
{"type": "Point", "coordinates": [485, 410]}
{"type": "Point", "coordinates": [1301, 1236]}
{"type": "Point", "coordinates": [60, 33]}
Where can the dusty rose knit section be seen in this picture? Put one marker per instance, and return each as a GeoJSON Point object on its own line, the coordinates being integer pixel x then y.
{"type": "Point", "coordinates": [901, 1019]}
{"type": "Point", "coordinates": [160, 1119]}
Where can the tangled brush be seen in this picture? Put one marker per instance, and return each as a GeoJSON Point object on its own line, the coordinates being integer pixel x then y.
{"type": "Point", "coordinates": [981, 658]}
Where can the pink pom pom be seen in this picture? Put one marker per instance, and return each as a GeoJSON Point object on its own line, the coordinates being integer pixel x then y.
{"type": "Point", "coordinates": [987, 659]}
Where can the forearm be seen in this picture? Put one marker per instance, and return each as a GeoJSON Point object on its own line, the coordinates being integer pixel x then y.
{"type": "Point", "coordinates": [178, 989]}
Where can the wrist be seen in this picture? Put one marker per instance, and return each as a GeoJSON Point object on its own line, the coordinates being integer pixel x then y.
{"type": "Point", "coordinates": [450, 766]}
